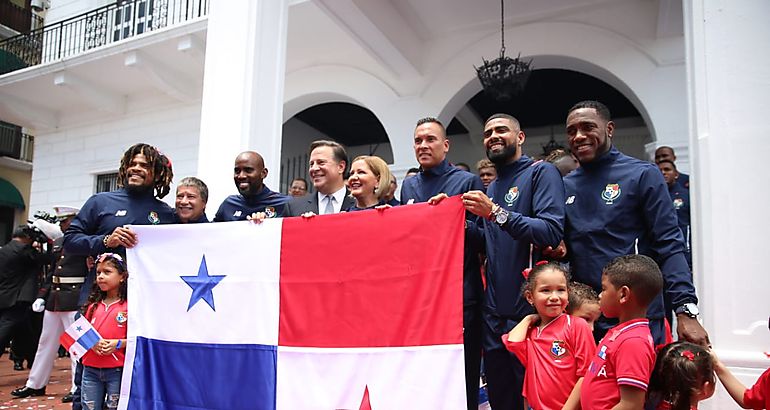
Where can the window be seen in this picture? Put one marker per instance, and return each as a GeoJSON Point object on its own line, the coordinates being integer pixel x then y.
{"type": "Point", "coordinates": [107, 182]}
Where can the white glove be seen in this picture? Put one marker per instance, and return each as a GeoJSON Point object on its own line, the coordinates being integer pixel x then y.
{"type": "Point", "coordinates": [38, 305]}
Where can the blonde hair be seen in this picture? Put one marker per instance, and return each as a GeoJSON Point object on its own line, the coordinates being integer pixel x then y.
{"type": "Point", "coordinates": [380, 169]}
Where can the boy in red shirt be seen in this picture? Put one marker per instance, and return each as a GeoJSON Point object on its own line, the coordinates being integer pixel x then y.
{"type": "Point", "coordinates": [620, 370]}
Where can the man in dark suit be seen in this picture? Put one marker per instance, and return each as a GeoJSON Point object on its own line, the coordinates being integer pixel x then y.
{"type": "Point", "coordinates": [20, 263]}
{"type": "Point", "coordinates": [328, 161]}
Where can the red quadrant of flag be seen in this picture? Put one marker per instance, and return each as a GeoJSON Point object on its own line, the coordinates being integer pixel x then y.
{"type": "Point", "coordinates": [380, 278]}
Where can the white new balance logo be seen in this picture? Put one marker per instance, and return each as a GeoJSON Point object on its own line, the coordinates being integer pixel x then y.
{"type": "Point", "coordinates": [570, 200]}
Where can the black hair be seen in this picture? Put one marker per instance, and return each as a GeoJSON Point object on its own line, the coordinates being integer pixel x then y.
{"type": "Point", "coordinates": [338, 152]}
{"type": "Point", "coordinates": [162, 171]}
{"type": "Point", "coordinates": [600, 108]}
{"type": "Point", "coordinates": [303, 180]}
{"type": "Point", "coordinates": [681, 369]}
{"type": "Point", "coordinates": [639, 273]}
{"type": "Point", "coordinates": [97, 295]}
{"type": "Point", "coordinates": [580, 294]}
{"type": "Point", "coordinates": [23, 232]}
{"type": "Point", "coordinates": [427, 120]}
{"type": "Point", "coordinates": [540, 267]}
{"type": "Point", "coordinates": [666, 161]}
{"type": "Point", "coordinates": [504, 116]}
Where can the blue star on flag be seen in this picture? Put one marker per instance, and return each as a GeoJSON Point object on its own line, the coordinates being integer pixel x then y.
{"type": "Point", "coordinates": [202, 285]}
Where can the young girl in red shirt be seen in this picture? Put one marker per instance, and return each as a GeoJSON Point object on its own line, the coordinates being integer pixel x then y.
{"type": "Point", "coordinates": [107, 310]}
{"type": "Point", "coordinates": [683, 376]}
{"type": "Point", "coordinates": [554, 347]}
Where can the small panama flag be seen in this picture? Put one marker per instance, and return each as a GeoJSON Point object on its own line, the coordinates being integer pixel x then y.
{"type": "Point", "coordinates": [80, 337]}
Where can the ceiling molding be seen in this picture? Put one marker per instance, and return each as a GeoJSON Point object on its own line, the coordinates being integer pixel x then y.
{"type": "Point", "coordinates": [96, 97]}
{"type": "Point", "coordinates": [169, 81]}
{"type": "Point", "coordinates": [378, 40]}
{"type": "Point", "coordinates": [20, 112]}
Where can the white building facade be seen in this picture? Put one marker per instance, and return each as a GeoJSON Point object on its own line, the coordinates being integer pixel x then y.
{"type": "Point", "coordinates": [232, 75]}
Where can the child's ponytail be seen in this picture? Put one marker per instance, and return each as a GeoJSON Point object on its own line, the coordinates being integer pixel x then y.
{"type": "Point", "coordinates": [681, 369]}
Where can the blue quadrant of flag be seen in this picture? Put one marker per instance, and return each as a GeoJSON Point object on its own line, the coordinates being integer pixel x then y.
{"type": "Point", "coordinates": [89, 339]}
{"type": "Point", "coordinates": [235, 376]}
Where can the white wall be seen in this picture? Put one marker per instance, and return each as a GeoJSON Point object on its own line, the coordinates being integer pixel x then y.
{"type": "Point", "coordinates": [67, 161]}
{"type": "Point", "coordinates": [727, 104]}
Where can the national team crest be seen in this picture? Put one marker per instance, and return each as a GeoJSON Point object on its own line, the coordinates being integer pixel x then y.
{"type": "Point", "coordinates": [153, 218]}
{"type": "Point", "coordinates": [611, 193]}
{"type": "Point", "coordinates": [512, 195]}
{"type": "Point", "coordinates": [121, 318]}
{"type": "Point", "coordinates": [270, 212]}
{"type": "Point", "coordinates": [558, 349]}
{"type": "Point", "coordinates": [678, 203]}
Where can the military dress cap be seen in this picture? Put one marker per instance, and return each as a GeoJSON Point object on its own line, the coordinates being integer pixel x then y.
{"type": "Point", "coordinates": [63, 212]}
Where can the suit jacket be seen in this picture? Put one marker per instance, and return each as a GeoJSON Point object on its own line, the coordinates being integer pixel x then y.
{"type": "Point", "coordinates": [309, 203]}
{"type": "Point", "coordinates": [19, 266]}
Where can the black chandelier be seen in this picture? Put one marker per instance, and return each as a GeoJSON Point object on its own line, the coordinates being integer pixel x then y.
{"type": "Point", "coordinates": [503, 77]}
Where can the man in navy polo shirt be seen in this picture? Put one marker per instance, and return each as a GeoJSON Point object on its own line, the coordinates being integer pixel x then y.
{"type": "Point", "coordinates": [253, 196]}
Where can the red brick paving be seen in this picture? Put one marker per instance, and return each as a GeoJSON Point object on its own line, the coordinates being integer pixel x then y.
{"type": "Point", "coordinates": [58, 386]}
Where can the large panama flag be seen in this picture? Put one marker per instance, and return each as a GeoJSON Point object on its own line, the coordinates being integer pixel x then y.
{"type": "Point", "coordinates": [349, 311]}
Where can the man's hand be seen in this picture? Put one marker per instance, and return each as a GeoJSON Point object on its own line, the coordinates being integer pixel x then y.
{"type": "Point", "coordinates": [38, 305]}
{"type": "Point", "coordinates": [478, 203]}
{"type": "Point", "coordinates": [435, 200]}
{"type": "Point", "coordinates": [121, 237]}
{"type": "Point", "coordinates": [256, 217]}
{"type": "Point", "coordinates": [308, 215]}
{"type": "Point", "coordinates": [690, 329]}
{"type": "Point", "coordinates": [556, 253]}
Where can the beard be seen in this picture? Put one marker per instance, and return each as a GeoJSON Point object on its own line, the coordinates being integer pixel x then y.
{"type": "Point", "coordinates": [502, 157]}
{"type": "Point", "coordinates": [138, 189]}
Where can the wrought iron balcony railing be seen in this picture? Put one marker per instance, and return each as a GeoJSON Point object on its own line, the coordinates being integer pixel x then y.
{"type": "Point", "coordinates": [95, 28]}
{"type": "Point", "coordinates": [15, 144]}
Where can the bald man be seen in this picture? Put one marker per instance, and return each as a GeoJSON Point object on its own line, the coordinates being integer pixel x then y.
{"type": "Point", "coordinates": [253, 196]}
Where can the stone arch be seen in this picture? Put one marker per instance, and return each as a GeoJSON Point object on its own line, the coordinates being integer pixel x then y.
{"type": "Point", "coordinates": [612, 58]}
{"type": "Point", "coordinates": [340, 84]}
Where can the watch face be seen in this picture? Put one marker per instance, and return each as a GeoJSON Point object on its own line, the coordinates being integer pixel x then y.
{"type": "Point", "coordinates": [501, 217]}
{"type": "Point", "coordinates": [692, 308]}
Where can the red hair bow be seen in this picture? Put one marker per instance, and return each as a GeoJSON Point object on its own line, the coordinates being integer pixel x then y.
{"type": "Point", "coordinates": [688, 354]}
{"type": "Point", "coordinates": [526, 272]}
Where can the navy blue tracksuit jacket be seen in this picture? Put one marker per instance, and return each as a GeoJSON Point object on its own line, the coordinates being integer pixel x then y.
{"type": "Point", "coordinates": [533, 193]}
{"type": "Point", "coordinates": [611, 203]}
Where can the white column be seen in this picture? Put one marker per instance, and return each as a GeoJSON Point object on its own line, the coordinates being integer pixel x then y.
{"type": "Point", "coordinates": [242, 90]}
{"type": "Point", "coordinates": [728, 84]}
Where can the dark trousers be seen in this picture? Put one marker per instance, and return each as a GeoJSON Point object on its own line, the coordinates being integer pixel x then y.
{"type": "Point", "coordinates": [10, 319]}
{"type": "Point", "coordinates": [504, 372]}
{"type": "Point", "coordinates": [26, 338]}
{"type": "Point", "coordinates": [472, 346]}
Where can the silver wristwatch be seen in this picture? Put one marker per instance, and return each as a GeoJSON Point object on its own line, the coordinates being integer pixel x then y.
{"type": "Point", "coordinates": [499, 215]}
{"type": "Point", "coordinates": [689, 309]}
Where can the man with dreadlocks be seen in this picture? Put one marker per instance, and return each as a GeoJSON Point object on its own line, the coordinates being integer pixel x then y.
{"type": "Point", "coordinates": [144, 178]}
